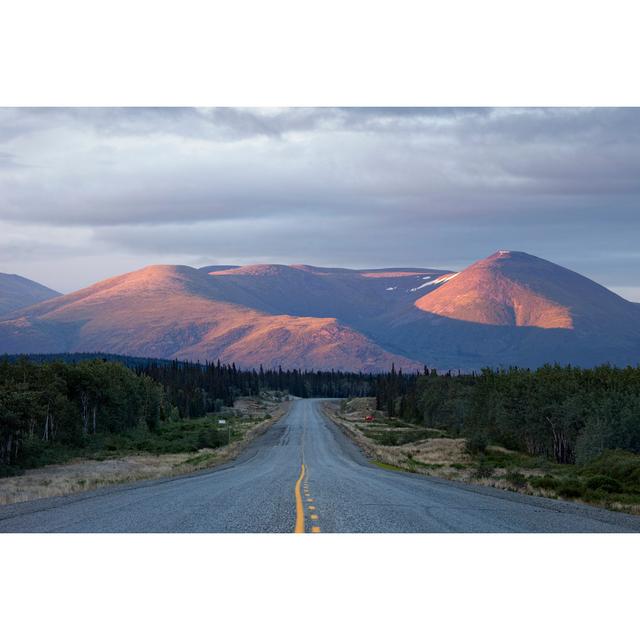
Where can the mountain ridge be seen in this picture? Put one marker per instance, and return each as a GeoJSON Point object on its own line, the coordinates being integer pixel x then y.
{"type": "Point", "coordinates": [511, 308]}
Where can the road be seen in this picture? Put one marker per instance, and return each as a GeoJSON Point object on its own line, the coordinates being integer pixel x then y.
{"type": "Point", "coordinates": [305, 475]}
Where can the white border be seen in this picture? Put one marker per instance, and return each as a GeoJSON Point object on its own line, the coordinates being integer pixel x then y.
{"type": "Point", "coordinates": [290, 53]}
{"type": "Point", "coordinates": [322, 586]}
{"type": "Point", "coordinates": [335, 52]}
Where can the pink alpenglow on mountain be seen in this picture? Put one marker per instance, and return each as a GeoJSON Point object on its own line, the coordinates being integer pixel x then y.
{"type": "Point", "coordinates": [511, 308]}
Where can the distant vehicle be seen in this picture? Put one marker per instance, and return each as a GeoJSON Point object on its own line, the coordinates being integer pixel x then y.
{"type": "Point", "coordinates": [368, 419]}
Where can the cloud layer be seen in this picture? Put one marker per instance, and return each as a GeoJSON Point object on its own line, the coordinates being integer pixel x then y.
{"type": "Point", "coordinates": [87, 193]}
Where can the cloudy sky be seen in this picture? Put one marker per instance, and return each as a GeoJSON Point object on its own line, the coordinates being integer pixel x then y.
{"type": "Point", "coordinates": [90, 193]}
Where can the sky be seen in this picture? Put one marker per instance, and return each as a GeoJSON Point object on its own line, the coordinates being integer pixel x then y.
{"type": "Point", "coordinates": [86, 194]}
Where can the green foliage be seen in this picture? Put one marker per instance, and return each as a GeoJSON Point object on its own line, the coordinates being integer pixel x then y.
{"type": "Point", "coordinates": [56, 407]}
{"type": "Point", "coordinates": [563, 414]}
{"type": "Point", "coordinates": [516, 478]}
{"type": "Point", "coordinates": [570, 488]}
{"type": "Point", "coordinates": [388, 438]}
{"type": "Point", "coordinates": [604, 483]}
{"type": "Point", "coordinates": [484, 469]}
{"type": "Point", "coordinates": [49, 410]}
{"type": "Point", "coordinates": [620, 466]}
{"type": "Point", "coordinates": [546, 482]}
{"type": "Point", "coordinates": [477, 443]}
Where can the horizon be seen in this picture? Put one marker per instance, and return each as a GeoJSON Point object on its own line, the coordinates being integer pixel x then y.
{"type": "Point", "coordinates": [93, 192]}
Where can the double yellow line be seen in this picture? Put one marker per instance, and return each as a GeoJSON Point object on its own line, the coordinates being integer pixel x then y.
{"type": "Point", "coordinates": [299, 528]}
{"type": "Point", "coordinates": [299, 506]}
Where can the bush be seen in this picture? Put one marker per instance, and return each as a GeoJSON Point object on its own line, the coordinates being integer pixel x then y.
{"type": "Point", "coordinates": [604, 483]}
{"type": "Point", "coordinates": [477, 443]}
{"type": "Point", "coordinates": [571, 489]}
{"type": "Point", "coordinates": [7, 470]}
{"type": "Point", "coordinates": [622, 466]}
{"type": "Point", "coordinates": [483, 470]}
{"type": "Point", "coordinates": [516, 478]}
{"type": "Point", "coordinates": [389, 439]}
{"type": "Point", "coordinates": [545, 482]}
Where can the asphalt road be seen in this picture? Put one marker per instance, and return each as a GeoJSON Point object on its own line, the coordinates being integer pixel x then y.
{"type": "Point", "coordinates": [304, 474]}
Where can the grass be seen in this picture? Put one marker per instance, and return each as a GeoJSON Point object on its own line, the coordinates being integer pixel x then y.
{"type": "Point", "coordinates": [181, 436]}
{"type": "Point", "coordinates": [387, 466]}
{"type": "Point", "coordinates": [394, 432]}
{"type": "Point", "coordinates": [611, 481]}
{"type": "Point", "coordinates": [178, 447]}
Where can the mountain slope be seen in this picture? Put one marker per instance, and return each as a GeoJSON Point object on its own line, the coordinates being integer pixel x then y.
{"type": "Point", "coordinates": [352, 296]}
{"type": "Point", "coordinates": [517, 289]}
{"type": "Point", "coordinates": [171, 312]}
{"type": "Point", "coordinates": [508, 309]}
{"type": "Point", "coordinates": [516, 309]}
{"type": "Point", "coordinates": [17, 292]}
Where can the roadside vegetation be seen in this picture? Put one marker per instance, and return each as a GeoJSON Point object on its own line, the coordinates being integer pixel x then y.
{"type": "Point", "coordinates": [439, 432]}
{"type": "Point", "coordinates": [70, 426]}
{"type": "Point", "coordinates": [56, 408]}
{"type": "Point", "coordinates": [557, 431]}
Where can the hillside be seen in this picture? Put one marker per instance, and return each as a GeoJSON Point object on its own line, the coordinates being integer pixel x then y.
{"type": "Point", "coordinates": [17, 292]}
{"type": "Point", "coordinates": [511, 308]}
{"type": "Point", "coordinates": [171, 312]}
{"type": "Point", "coordinates": [517, 289]}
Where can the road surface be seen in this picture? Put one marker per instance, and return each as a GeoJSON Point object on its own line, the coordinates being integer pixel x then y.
{"type": "Point", "coordinates": [305, 475]}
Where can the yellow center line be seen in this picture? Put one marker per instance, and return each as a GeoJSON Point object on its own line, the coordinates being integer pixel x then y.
{"type": "Point", "coordinates": [315, 529]}
{"type": "Point", "coordinates": [299, 508]}
{"type": "Point", "coordinates": [314, 516]}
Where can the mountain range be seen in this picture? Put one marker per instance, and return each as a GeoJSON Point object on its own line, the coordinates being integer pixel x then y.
{"type": "Point", "coordinates": [511, 308]}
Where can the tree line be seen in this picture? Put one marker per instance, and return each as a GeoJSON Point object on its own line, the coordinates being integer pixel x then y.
{"type": "Point", "coordinates": [72, 399]}
{"type": "Point", "coordinates": [566, 414]}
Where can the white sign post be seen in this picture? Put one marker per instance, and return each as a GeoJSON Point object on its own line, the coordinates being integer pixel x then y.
{"type": "Point", "coordinates": [228, 430]}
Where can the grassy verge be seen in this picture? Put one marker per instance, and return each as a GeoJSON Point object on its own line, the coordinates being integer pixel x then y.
{"type": "Point", "coordinates": [611, 481]}
{"type": "Point", "coordinates": [176, 448]}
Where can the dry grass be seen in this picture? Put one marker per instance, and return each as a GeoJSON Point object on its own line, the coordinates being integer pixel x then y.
{"type": "Point", "coordinates": [358, 408]}
{"type": "Point", "coordinates": [84, 475]}
{"type": "Point", "coordinates": [438, 455]}
{"type": "Point", "coordinates": [447, 458]}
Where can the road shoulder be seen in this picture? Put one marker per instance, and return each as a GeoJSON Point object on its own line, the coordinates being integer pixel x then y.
{"type": "Point", "coordinates": [84, 477]}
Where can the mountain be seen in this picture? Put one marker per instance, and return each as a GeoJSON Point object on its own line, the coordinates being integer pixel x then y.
{"type": "Point", "coordinates": [511, 308]}
{"type": "Point", "coordinates": [515, 308]}
{"type": "Point", "coordinates": [181, 312]}
{"type": "Point", "coordinates": [16, 292]}
{"type": "Point", "coordinates": [517, 289]}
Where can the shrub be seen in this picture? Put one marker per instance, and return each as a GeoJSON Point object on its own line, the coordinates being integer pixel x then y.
{"type": "Point", "coordinates": [571, 489]}
{"type": "Point", "coordinates": [7, 471]}
{"type": "Point", "coordinates": [622, 466]}
{"type": "Point", "coordinates": [604, 483]}
{"type": "Point", "coordinates": [516, 478]}
{"type": "Point", "coordinates": [545, 482]}
{"type": "Point", "coordinates": [596, 496]}
{"type": "Point", "coordinates": [477, 443]}
{"type": "Point", "coordinates": [389, 439]}
{"type": "Point", "coordinates": [483, 470]}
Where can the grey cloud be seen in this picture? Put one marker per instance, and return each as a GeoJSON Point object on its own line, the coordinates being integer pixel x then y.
{"type": "Point", "coordinates": [348, 162]}
{"type": "Point", "coordinates": [360, 187]}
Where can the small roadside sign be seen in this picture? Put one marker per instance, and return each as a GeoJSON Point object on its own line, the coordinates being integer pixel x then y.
{"type": "Point", "coordinates": [222, 422]}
